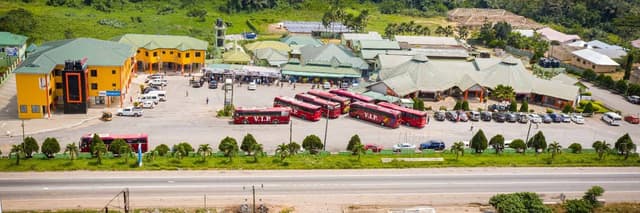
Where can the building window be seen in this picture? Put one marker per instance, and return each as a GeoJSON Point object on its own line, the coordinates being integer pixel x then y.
{"type": "Point", "coordinates": [94, 85]}
{"type": "Point", "coordinates": [35, 108]}
{"type": "Point", "coordinates": [113, 85]}
{"type": "Point", "coordinates": [578, 59]}
{"type": "Point", "coordinates": [94, 73]}
{"type": "Point", "coordinates": [57, 72]}
{"type": "Point", "coordinates": [113, 72]}
{"type": "Point", "coordinates": [186, 55]}
{"type": "Point", "coordinates": [197, 54]}
{"type": "Point", "coordinates": [58, 85]}
{"type": "Point", "coordinates": [23, 108]}
{"type": "Point", "coordinates": [593, 66]}
{"type": "Point", "coordinates": [170, 52]}
{"type": "Point", "coordinates": [146, 53]}
{"type": "Point", "coordinates": [138, 51]}
{"type": "Point", "coordinates": [178, 55]}
{"type": "Point", "coordinates": [163, 52]}
{"type": "Point", "coordinates": [155, 54]}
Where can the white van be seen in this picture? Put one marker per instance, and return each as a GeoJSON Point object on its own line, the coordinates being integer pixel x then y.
{"type": "Point", "coordinates": [152, 97]}
{"type": "Point", "coordinates": [162, 95]}
{"type": "Point", "coordinates": [611, 118]}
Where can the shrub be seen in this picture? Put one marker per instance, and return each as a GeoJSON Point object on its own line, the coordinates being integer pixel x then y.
{"type": "Point", "coordinates": [549, 110]}
{"type": "Point", "coordinates": [30, 146]}
{"type": "Point", "coordinates": [458, 106]}
{"type": "Point", "coordinates": [165, 10]}
{"type": "Point", "coordinates": [518, 145]}
{"type": "Point", "coordinates": [575, 148]}
{"type": "Point", "coordinates": [247, 142]}
{"type": "Point", "coordinates": [518, 202]}
{"type": "Point", "coordinates": [567, 108]}
{"type": "Point", "coordinates": [444, 108]}
{"type": "Point", "coordinates": [50, 146]}
{"type": "Point", "coordinates": [312, 143]}
{"type": "Point", "coordinates": [577, 206]}
{"type": "Point", "coordinates": [513, 107]}
{"type": "Point", "coordinates": [465, 105]}
{"type": "Point", "coordinates": [524, 107]}
{"type": "Point", "coordinates": [117, 145]}
{"type": "Point", "coordinates": [162, 149]}
{"type": "Point", "coordinates": [355, 140]}
{"type": "Point", "coordinates": [226, 111]}
{"type": "Point", "coordinates": [479, 142]}
{"type": "Point", "coordinates": [538, 142]}
{"type": "Point", "coordinates": [588, 108]}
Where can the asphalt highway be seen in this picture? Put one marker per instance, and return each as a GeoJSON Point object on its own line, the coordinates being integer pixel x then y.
{"type": "Point", "coordinates": [620, 184]}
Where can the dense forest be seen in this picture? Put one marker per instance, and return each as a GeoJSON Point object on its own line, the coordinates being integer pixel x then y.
{"type": "Point", "coordinates": [615, 21]}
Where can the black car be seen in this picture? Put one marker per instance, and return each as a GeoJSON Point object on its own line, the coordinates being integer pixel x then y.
{"type": "Point", "coordinates": [213, 84]}
{"type": "Point", "coordinates": [499, 117]}
{"type": "Point", "coordinates": [439, 116]}
{"type": "Point", "coordinates": [485, 116]}
{"type": "Point", "coordinates": [432, 144]}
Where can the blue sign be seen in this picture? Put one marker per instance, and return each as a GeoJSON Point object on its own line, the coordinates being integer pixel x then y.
{"type": "Point", "coordinates": [113, 92]}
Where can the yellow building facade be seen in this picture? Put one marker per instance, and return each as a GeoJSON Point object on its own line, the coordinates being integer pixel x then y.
{"type": "Point", "coordinates": [166, 52]}
{"type": "Point", "coordinates": [39, 84]}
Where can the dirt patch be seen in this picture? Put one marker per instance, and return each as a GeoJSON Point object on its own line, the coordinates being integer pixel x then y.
{"type": "Point", "coordinates": [471, 208]}
{"type": "Point", "coordinates": [276, 28]}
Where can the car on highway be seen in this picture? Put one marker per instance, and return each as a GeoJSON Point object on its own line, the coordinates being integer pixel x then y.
{"type": "Point", "coordinates": [535, 118]}
{"type": "Point", "coordinates": [462, 116]}
{"type": "Point", "coordinates": [634, 99]}
{"type": "Point", "coordinates": [474, 116]}
{"type": "Point", "coordinates": [252, 86]}
{"type": "Point", "coordinates": [452, 116]}
{"type": "Point", "coordinates": [130, 111]}
{"type": "Point", "coordinates": [485, 116]}
{"type": "Point", "coordinates": [545, 118]}
{"type": "Point", "coordinates": [565, 118]}
{"type": "Point", "coordinates": [373, 147]}
{"type": "Point", "coordinates": [440, 116]}
{"type": "Point", "coordinates": [406, 146]}
{"type": "Point", "coordinates": [632, 119]}
{"type": "Point", "coordinates": [555, 117]}
{"type": "Point", "coordinates": [578, 119]}
{"type": "Point", "coordinates": [523, 117]}
{"type": "Point", "coordinates": [432, 144]}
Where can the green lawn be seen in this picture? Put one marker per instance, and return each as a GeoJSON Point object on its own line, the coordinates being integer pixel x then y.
{"type": "Point", "coordinates": [83, 21]}
{"type": "Point", "coordinates": [337, 161]}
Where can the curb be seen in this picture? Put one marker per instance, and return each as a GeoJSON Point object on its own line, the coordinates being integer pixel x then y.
{"type": "Point", "coordinates": [58, 128]}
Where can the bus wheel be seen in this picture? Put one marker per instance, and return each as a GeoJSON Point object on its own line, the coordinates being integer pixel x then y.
{"type": "Point", "coordinates": [245, 122]}
{"type": "Point", "coordinates": [276, 122]}
{"type": "Point", "coordinates": [381, 123]}
{"type": "Point", "coordinates": [357, 116]}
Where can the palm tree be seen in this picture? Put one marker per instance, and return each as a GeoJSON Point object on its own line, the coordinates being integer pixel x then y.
{"type": "Point", "coordinates": [257, 150]}
{"type": "Point", "coordinates": [17, 149]}
{"type": "Point", "coordinates": [463, 32]}
{"type": "Point", "coordinates": [72, 151]}
{"type": "Point", "coordinates": [293, 148]}
{"type": "Point", "coordinates": [282, 151]}
{"type": "Point", "coordinates": [229, 146]}
{"type": "Point", "coordinates": [440, 30]}
{"type": "Point", "coordinates": [448, 31]}
{"type": "Point", "coordinates": [555, 148]}
{"type": "Point", "coordinates": [99, 149]}
{"type": "Point", "coordinates": [458, 148]}
{"type": "Point", "coordinates": [205, 150]}
{"type": "Point", "coordinates": [359, 150]}
{"type": "Point", "coordinates": [602, 148]}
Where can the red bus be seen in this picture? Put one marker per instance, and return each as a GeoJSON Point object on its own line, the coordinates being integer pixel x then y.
{"type": "Point", "coordinates": [344, 102]}
{"type": "Point", "coordinates": [273, 115]}
{"type": "Point", "coordinates": [410, 117]}
{"type": "Point", "coordinates": [132, 139]}
{"type": "Point", "coordinates": [329, 109]}
{"type": "Point", "coordinates": [299, 109]}
{"type": "Point", "coordinates": [352, 95]}
{"type": "Point", "coordinates": [376, 114]}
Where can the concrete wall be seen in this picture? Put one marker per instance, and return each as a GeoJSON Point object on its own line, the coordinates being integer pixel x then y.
{"type": "Point", "coordinates": [584, 64]}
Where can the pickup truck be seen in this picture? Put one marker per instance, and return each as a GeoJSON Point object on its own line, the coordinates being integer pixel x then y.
{"type": "Point", "coordinates": [130, 111]}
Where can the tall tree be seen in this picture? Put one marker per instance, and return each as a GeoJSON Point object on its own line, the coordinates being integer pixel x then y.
{"type": "Point", "coordinates": [282, 151]}
{"type": "Point", "coordinates": [479, 142]}
{"type": "Point", "coordinates": [257, 150]}
{"type": "Point", "coordinates": [624, 145]}
{"type": "Point", "coordinates": [538, 142]}
{"type": "Point", "coordinates": [98, 150]}
{"type": "Point", "coordinates": [18, 150]}
{"type": "Point", "coordinates": [19, 21]}
{"type": "Point", "coordinates": [358, 149]}
{"type": "Point", "coordinates": [458, 148]}
{"type": "Point", "coordinates": [602, 148]}
{"type": "Point", "coordinates": [555, 148]}
{"type": "Point", "coordinates": [503, 93]}
{"type": "Point", "coordinates": [205, 151]}
{"type": "Point", "coordinates": [30, 146]}
{"type": "Point", "coordinates": [355, 140]}
{"type": "Point", "coordinates": [312, 143]}
{"type": "Point", "coordinates": [294, 148]}
{"type": "Point", "coordinates": [462, 31]}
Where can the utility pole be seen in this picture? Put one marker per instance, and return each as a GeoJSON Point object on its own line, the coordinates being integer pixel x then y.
{"type": "Point", "coordinates": [253, 189]}
{"type": "Point", "coordinates": [529, 131]}
{"type": "Point", "coordinates": [290, 131]}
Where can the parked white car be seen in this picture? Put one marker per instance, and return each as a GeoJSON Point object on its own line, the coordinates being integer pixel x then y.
{"type": "Point", "coordinates": [565, 118]}
{"type": "Point", "coordinates": [578, 119]}
{"type": "Point", "coordinates": [535, 118]}
{"type": "Point", "coordinates": [401, 146]}
{"type": "Point", "coordinates": [148, 104]}
{"type": "Point", "coordinates": [252, 86]}
{"type": "Point", "coordinates": [129, 111]}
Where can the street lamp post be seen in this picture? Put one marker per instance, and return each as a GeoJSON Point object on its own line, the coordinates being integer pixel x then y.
{"type": "Point", "coordinates": [253, 193]}
{"type": "Point", "coordinates": [290, 131]}
{"type": "Point", "coordinates": [326, 127]}
{"type": "Point", "coordinates": [529, 131]}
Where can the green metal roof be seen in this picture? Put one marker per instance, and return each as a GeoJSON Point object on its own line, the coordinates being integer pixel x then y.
{"type": "Point", "coordinates": [98, 53]}
{"type": "Point", "coordinates": [301, 40]}
{"type": "Point", "coordinates": [320, 71]}
{"type": "Point", "coordinates": [152, 42]}
{"type": "Point", "coordinates": [276, 45]}
{"type": "Point", "coordinates": [236, 57]}
{"type": "Point", "coordinates": [10, 39]}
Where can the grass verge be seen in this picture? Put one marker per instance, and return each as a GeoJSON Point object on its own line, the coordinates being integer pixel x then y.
{"type": "Point", "coordinates": [370, 161]}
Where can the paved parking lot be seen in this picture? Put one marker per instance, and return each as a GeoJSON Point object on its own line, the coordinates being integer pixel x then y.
{"type": "Point", "coordinates": [191, 119]}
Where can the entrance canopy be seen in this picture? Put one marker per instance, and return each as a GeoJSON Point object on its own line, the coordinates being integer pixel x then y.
{"type": "Point", "coordinates": [243, 70]}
